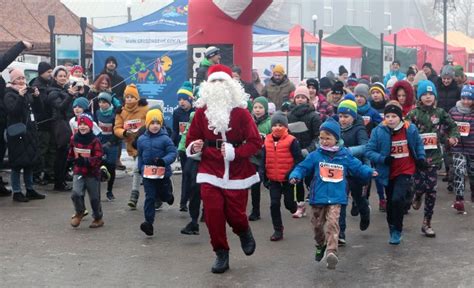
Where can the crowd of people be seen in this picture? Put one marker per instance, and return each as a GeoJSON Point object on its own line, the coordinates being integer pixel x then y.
{"type": "Point", "coordinates": [320, 142]}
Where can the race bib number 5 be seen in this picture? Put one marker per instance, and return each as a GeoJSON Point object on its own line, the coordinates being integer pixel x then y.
{"type": "Point", "coordinates": [464, 128]}
{"type": "Point", "coordinates": [153, 172]}
{"type": "Point", "coordinates": [399, 149]}
{"type": "Point", "coordinates": [430, 140]}
{"type": "Point", "coordinates": [331, 172]}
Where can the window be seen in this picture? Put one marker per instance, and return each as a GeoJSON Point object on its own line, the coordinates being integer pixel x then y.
{"type": "Point", "coordinates": [350, 12]}
{"type": "Point", "coordinates": [367, 14]}
{"type": "Point", "coordinates": [328, 13]}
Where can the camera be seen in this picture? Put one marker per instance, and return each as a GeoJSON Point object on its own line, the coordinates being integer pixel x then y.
{"type": "Point", "coordinates": [74, 81]}
{"type": "Point", "coordinates": [30, 90]}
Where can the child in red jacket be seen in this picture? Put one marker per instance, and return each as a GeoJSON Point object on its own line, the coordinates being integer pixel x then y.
{"type": "Point", "coordinates": [86, 153]}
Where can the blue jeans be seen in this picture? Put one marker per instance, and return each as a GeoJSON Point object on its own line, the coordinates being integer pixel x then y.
{"type": "Point", "coordinates": [155, 188]}
{"type": "Point", "coordinates": [27, 178]}
{"type": "Point", "coordinates": [396, 193]}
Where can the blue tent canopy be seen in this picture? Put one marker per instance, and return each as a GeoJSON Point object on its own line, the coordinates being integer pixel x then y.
{"type": "Point", "coordinates": [171, 18]}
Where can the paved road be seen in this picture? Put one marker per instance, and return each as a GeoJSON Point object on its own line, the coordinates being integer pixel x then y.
{"type": "Point", "coordinates": [38, 247]}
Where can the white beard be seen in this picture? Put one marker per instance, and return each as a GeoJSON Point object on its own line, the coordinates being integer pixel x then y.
{"type": "Point", "coordinates": [220, 98]}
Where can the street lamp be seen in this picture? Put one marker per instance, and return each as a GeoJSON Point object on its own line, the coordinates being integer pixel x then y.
{"type": "Point", "coordinates": [129, 10]}
{"type": "Point", "coordinates": [389, 28]}
{"type": "Point", "coordinates": [315, 20]}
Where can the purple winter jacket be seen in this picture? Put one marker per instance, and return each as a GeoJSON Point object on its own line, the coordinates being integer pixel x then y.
{"type": "Point", "coordinates": [464, 117]}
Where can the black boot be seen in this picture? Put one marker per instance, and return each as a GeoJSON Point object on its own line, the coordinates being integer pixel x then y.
{"type": "Point", "coordinates": [364, 222]}
{"type": "Point", "coordinates": [354, 209]}
{"type": "Point", "coordinates": [247, 242]}
{"type": "Point", "coordinates": [19, 197]}
{"type": "Point", "coordinates": [147, 228]}
{"type": "Point", "coordinates": [191, 229]}
{"type": "Point", "coordinates": [222, 262]}
{"type": "Point", "coordinates": [33, 195]}
{"type": "Point", "coordinates": [255, 215]}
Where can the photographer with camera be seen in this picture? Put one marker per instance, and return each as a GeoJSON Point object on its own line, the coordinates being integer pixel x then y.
{"type": "Point", "coordinates": [21, 104]}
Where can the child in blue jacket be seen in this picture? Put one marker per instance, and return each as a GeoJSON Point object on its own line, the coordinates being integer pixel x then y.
{"type": "Point", "coordinates": [331, 163]}
{"type": "Point", "coordinates": [156, 152]}
{"type": "Point", "coordinates": [396, 149]}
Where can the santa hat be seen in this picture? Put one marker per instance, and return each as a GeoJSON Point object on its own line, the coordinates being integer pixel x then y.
{"type": "Point", "coordinates": [219, 72]}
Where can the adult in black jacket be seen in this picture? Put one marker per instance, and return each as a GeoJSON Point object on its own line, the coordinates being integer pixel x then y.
{"type": "Point", "coordinates": [21, 107]}
{"type": "Point", "coordinates": [118, 83]}
{"type": "Point", "coordinates": [5, 60]}
{"type": "Point", "coordinates": [60, 98]}
{"type": "Point", "coordinates": [448, 91]}
{"type": "Point", "coordinates": [430, 72]}
{"type": "Point", "coordinates": [212, 56]}
{"type": "Point", "coordinates": [47, 148]}
{"type": "Point", "coordinates": [249, 88]}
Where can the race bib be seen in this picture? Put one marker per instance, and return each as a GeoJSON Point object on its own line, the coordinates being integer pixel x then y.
{"type": "Point", "coordinates": [331, 172]}
{"type": "Point", "coordinates": [82, 152]}
{"type": "Point", "coordinates": [366, 120]}
{"type": "Point", "coordinates": [464, 128]}
{"type": "Point", "coordinates": [430, 140]}
{"type": "Point", "coordinates": [399, 149]}
{"type": "Point", "coordinates": [182, 127]}
{"type": "Point", "coordinates": [107, 128]}
{"type": "Point", "coordinates": [153, 172]}
{"type": "Point", "coordinates": [133, 125]}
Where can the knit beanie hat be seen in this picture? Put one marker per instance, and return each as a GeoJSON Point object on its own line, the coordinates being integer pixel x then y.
{"type": "Point", "coordinates": [420, 75]}
{"type": "Point", "coordinates": [331, 126]}
{"type": "Point", "coordinates": [262, 100]}
{"type": "Point", "coordinates": [395, 108]}
{"type": "Point", "coordinates": [378, 86]}
{"type": "Point", "coordinates": [153, 115]}
{"type": "Point", "coordinates": [16, 73]}
{"type": "Point", "coordinates": [338, 88]}
{"type": "Point", "coordinates": [186, 92]}
{"type": "Point", "coordinates": [352, 80]}
{"type": "Point", "coordinates": [86, 119]}
{"type": "Point", "coordinates": [75, 68]}
{"type": "Point", "coordinates": [59, 68]}
{"type": "Point", "coordinates": [410, 71]}
{"type": "Point", "coordinates": [312, 82]}
{"type": "Point", "coordinates": [325, 83]}
{"type": "Point", "coordinates": [279, 69]}
{"type": "Point", "coordinates": [348, 106]}
{"type": "Point", "coordinates": [447, 71]}
{"type": "Point", "coordinates": [279, 118]}
{"type": "Point", "coordinates": [211, 52]}
{"type": "Point", "coordinates": [362, 90]}
{"type": "Point", "coordinates": [342, 70]}
{"type": "Point", "coordinates": [132, 90]}
{"type": "Point", "coordinates": [458, 71]}
{"type": "Point", "coordinates": [424, 87]}
{"type": "Point", "coordinates": [43, 67]}
{"type": "Point", "coordinates": [81, 102]}
{"type": "Point", "coordinates": [467, 92]}
{"type": "Point", "coordinates": [391, 82]}
{"type": "Point", "coordinates": [105, 96]}
{"type": "Point", "coordinates": [302, 90]}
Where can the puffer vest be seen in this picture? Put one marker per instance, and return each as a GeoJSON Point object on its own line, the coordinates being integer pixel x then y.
{"type": "Point", "coordinates": [279, 160]}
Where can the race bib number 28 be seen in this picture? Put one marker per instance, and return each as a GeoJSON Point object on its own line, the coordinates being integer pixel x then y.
{"type": "Point", "coordinates": [331, 172]}
{"type": "Point", "coordinates": [399, 149]}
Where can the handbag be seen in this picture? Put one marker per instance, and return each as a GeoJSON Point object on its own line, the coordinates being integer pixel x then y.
{"type": "Point", "coordinates": [17, 129]}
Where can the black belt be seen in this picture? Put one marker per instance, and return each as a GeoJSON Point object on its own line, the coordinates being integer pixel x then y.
{"type": "Point", "coordinates": [218, 143]}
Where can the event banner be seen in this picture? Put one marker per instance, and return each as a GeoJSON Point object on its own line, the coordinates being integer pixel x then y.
{"type": "Point", "coordinates": [270, 43]}
{"type": "Point", "coordinates": [140, 41]}
{"type": "Point", "coordinates": [196, 55]}
{"type": "Point", "coordinates": [158, 75]}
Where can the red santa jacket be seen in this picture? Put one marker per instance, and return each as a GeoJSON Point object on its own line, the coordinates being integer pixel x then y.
{"type": "Point", "coordinates": [213, 168]}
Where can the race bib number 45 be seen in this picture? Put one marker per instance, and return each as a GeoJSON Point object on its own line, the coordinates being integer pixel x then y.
{"type": "Point", "coordinates": [464, 128]}
{"type": "Point", "coordinates": [153, 172]}
{"type": "Point", "coordinates": [430, 140]}
{"type": "Point", "coordinates": [399, 149]}
{"type": "Point", "coordinates": [331, 172]}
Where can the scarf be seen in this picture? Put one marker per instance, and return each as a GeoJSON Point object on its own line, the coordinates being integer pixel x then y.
{"type": "Point", "coordinates": [107, 112]}
{"type": "Point", "coordinates": [463, 109]}
{"type": "Point", "coordinates": [378, 105]}
{"type": "Point", "coordinates": [84, 139]}
{"type": "Point", "coordinates": [334, 148]}
{"type": "Point", "coordinates": [278, 132]}
{"type": "Point", "coordinates": [259, 120]}
{"type": "Point", "coordinates": [399, 126]}
{"type": "Point", "coordinates": [130, 107]}
{"type": "Point", "coordinates": [362, 110]}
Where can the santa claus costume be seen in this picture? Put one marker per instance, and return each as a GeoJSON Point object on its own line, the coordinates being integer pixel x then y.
{"type": "Point", "coordinates": [225, 136]}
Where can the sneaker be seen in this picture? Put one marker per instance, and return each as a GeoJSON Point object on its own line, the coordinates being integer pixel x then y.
{"type": "Point", "coordinates": [191, 229]}
{"type": "Point", "coordinates": [319, 254]}
{"type": "Point", "coordinates": [277, 235]}
{"type": "Point", "coordinates": [183, 208]}
{"type": "Point", "coordinates": [31, 194]}
{"type": "Point", "coordinates": [86, 212]}
{"type": "Point", "coordinates": [147, 228]}
{"type": "Point", "coordinates": [97, 223]}
{"type": "Point", "coordinates": [254, 216]}
{"type": "Point", "coordinates": [332, 260]}
{"type": "Point", "coordinates": [104, 174]}
{"type": "Point", "coordinates": [132, 204]}
{"type": "Point", "coordinates": [459, 206]}
{"type": "Point", "coordinates": [416, 204]}
{"type": "Point", "coordinates": [427, 230]}
{"type": "Point", "coordinates": [110, 196]}
{"type": "Point", "coordinates": [354, 209]}
{"type": "Point", "coordinates": [158, 205]}
{"type": "Point", "coordinates": [341, 241]}
{"type": "Point", "coordinates": [76, 220]}
{"type": "Point", "coordinates": [382, 205]}
{"type": "Point", "coordinates": [395, 237]}
{"type": "Point", "coordinates": [301, 211]}
{"type": "Point", "coordinates": [19, 197]}
{"type": "Point", "coordinates": [170, 200]}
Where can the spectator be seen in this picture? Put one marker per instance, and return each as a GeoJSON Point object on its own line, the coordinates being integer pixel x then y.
{"type": "Point", "coordinates": [257, 83]}
{"type": "Point", "coordinates": [118, 83]}
{"type": "Point", "coordinates": [448, 91]}
{"type": "Point", "coordinates": [212, 56]}
{"type": "Point", "coordinates": [279, 87]}
{"type": "Point", "coordinates": [411, 75]}
{"type": "Point", "coordinates": [459, 76]}
{"type": "Point", "coordinates": [394, 72]}
{"type": "Point", "coordinates": [319, 101]}
{"type": "Point", "coordinates": [430, 72]}
{"type": "Point", "coordinates": [325, 85]}
{"type": "Point", "coordinates": [343, 74]}
{"type": "Point", "coordinates": [248, 87]}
